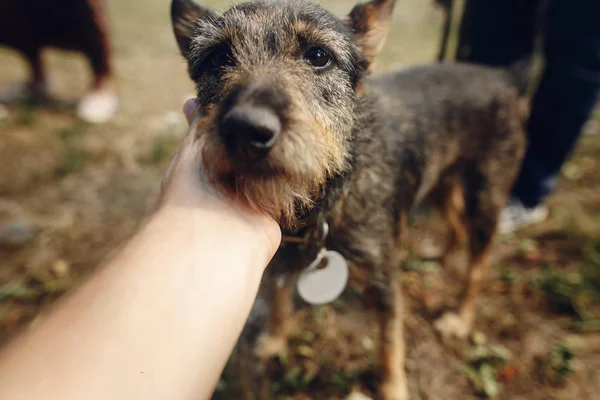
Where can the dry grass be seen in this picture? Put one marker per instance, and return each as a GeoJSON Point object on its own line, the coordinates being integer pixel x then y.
{"type": "Point", "coordinates": [85, 189]}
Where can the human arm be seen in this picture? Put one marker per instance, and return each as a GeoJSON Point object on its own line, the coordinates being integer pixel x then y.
{"type": "Point", "coordinates": [161, 318]}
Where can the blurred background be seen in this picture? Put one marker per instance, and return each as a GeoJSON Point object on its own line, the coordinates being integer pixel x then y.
{"type": "Point", "coordinates": [72, 191]}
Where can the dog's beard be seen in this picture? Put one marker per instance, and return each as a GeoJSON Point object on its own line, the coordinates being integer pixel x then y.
{"type": "Point", "coordinates": [292, 174]}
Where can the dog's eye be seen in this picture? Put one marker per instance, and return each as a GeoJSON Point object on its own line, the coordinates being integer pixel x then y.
{"type": "Point", "coordinates": [317, 57]}
{"type": "Point", "coordinates": [221, 58]}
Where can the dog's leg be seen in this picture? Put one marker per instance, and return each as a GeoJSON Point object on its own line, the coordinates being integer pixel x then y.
{"type": "Point", "coordinates": [272, 333]}
{"type": "Point", "coordinates": [460, 324]}
{"type": "Point", "coordinates": [449, 199]}
{"type": "Point", "coordinates": [387, 295]}
{"type": "Point", "coordinates": [38, 75]}
{"type": "Point", "coordinates": [454, 211]}
{"type": "Point", "coordinates": [391, 350]}
{"type": "Point", "coordinates": [95, 41]}
{"type": "Point", "coordinates": [274, 339]}
{"type": "Point", "coordinates": [247, 371]}
{"type": "Point", "coordinates": [483, 208]}
{"type": "Point", "coordinates": [101, 103]}
{"type": "Point", "coordinates": [36, 88]}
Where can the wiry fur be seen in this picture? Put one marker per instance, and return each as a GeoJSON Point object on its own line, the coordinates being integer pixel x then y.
{"type": "Point", "coordinates": [319, 110]}
{"type": "Point", "coordinates": [357, 152]}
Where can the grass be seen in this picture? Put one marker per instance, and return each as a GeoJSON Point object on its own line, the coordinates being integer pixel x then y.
{"type": "Point", "coordinates": [163, 148]}
{"type": "Point", "coordinates": [574, 291]}
{"type": "Point", "coordinates": [559, 364]}
{"type": "Point", "coordinates": [483, 362]}
{"type": "Point", "coordinates": [26, 114]}
{"type": "Point", "coordinates": [75, 155]}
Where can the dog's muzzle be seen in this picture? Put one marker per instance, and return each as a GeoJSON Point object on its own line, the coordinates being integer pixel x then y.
{"type": "Point", "coordinates": [250, 132]}
{"type": "Point", "coordinates": [251, 120]}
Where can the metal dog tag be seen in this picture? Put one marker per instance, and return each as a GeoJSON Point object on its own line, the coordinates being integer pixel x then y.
{"type": "Point", "coordinates": [324, 279]}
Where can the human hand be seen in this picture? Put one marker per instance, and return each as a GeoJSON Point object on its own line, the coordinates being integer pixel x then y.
{"type": "Point", "coordinates": [186, 187]}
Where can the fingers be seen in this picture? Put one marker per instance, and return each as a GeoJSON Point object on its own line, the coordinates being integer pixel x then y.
{"type": "Point", "coordinates": [190, 112]}
{"type": "Point", "coordinates": [189, 109]}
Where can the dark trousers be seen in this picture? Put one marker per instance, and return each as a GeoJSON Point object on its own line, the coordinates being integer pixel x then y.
{"type": "Point", "coordinates": [500, 32]}
{"type": "Point", "coordinates": [29, 26]}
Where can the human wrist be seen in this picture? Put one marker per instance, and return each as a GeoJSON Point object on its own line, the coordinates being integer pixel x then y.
{"type": "Point", "coordinates": [234, 224]}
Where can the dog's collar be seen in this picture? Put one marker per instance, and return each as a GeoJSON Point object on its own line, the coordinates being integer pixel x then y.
{"type": "Point", "coordinates": [316, 236]}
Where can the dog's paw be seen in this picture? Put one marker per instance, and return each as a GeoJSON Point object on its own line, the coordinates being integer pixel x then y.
{"type": "Point", "coordinates": [452, 326]}
{"type": "Point", "coordinates": [269, 346]}
{"type": "Point", "coordinates": [394, 391]}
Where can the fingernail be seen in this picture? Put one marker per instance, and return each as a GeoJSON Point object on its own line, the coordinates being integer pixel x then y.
{"type": "Point", "coordinates": [189, 107]}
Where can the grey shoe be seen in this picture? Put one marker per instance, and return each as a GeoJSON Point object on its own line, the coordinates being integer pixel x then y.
{"type": "Point", "coordinates": [516, 216]}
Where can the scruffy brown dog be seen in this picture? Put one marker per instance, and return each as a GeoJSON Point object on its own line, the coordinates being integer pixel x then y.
{"type": "Point", "coordinates": [295, 127]}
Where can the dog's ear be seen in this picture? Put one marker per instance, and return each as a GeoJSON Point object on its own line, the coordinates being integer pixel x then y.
{"type": "Point", "coordinates": [184, 14]}
{"type": "Point", "coordinates": [370, 22]}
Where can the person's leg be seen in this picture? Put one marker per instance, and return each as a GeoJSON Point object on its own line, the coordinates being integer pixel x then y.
{"type": "Point", "coordinates": [500, 32]}
{"type": "Point", "coordinates": [94, 40]}
{"type": "Point", "coordinates": [566, 96]}
{"type": "Point", "coordinates": [16, 27]}
{"type": "Point", "coordinates": [497, 32]}
{"type": "Point", "coordinates": [101, 103]}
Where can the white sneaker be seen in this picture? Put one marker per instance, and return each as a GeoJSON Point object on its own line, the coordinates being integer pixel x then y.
{"type": "Point", "coordinates": [516, 216]}
{"type": "Point", "coordinates": [98, 107]}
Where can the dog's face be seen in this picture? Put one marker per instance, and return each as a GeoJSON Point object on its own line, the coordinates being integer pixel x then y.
{"type": "Point", "coordinates": [277, 82]}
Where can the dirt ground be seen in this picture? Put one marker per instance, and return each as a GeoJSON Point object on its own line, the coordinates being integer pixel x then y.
{"type": "Point", "coordinates": [70, 193]}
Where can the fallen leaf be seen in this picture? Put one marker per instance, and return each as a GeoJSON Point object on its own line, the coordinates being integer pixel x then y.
{"type": "Point", "coordinates": [508, 373]}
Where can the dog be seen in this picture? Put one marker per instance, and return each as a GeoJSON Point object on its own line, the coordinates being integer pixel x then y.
{"type": "Point", "coordinates": [295, 126]}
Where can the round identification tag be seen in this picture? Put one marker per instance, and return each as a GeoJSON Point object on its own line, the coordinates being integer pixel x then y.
{"type": "Point", "coordinates": [324, 280]}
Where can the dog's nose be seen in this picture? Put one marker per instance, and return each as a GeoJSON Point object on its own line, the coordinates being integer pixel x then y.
{"type": "Point", "coordinates": [250, 131]}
